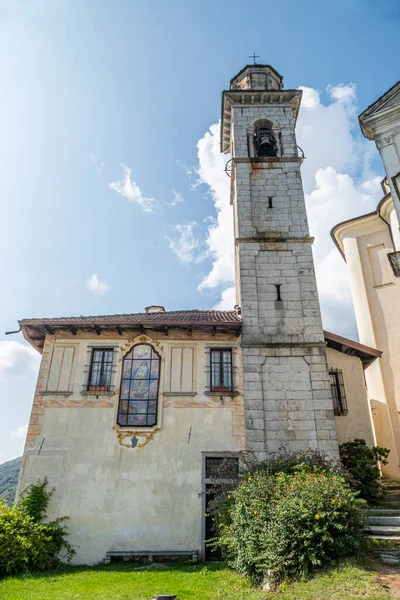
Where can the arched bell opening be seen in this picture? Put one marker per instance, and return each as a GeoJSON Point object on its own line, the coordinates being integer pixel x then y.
{"type": "Point", "coordinates": [264, 140]}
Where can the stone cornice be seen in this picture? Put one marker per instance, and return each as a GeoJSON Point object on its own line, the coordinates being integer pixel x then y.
{"type": "Point", "coordinates": [381, 110]}
{"type": "Point", "coordinates": [252, 98]}
{"type": "Point", "coordinates": [373, 221]}
{"type": "Point", "coordinates": [270, 159]}
{"type": "Point", "coordinates": [274, 240]}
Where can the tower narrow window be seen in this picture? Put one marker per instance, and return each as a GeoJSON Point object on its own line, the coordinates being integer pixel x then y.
{"type": "Point", "coordinates": [278, 291]}
{"type": "Point", "coordinates": [270, 205]}
{"type": "Point", "coordinates": [139, 387]}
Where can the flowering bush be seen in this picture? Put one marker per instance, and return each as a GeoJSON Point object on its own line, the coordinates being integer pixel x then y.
{"type": "Point", "coordinates": [362, 462]}
{"type": "Point", "coordinates": [25, 542]}
{"type": "Point", "coordinates": [288, 524]}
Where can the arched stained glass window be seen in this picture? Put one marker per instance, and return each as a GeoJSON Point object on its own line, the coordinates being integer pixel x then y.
{"type": "Point", "coordinates": [138, 397]}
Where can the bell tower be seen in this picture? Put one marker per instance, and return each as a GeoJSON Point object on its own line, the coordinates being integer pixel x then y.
{"type": "Point", "coordinates": [286, 383]}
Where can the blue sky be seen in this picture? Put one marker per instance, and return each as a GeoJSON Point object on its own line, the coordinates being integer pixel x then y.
{"type": "Point", "coordinates": [92, 84]}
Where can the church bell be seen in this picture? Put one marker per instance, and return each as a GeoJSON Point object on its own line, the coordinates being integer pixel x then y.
{"type": "Point", "coordinates": [265, 142]}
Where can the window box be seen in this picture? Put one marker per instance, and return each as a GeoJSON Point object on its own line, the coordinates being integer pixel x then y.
{"type": "Point", "coordinates": [219, 388]}
{"type": "Point", "coordinates": [98, 388]}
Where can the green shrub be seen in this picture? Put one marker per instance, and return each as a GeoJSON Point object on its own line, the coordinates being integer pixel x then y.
{"type": "Point", "coordinates": [27, 544]}
{"type": "Point", "coordinates": [288, 524]}
{"type": "Point", "coordinates": [362, 462]}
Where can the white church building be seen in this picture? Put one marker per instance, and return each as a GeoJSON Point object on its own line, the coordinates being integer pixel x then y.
{"type": "Point", "coordinates": [133, 413]}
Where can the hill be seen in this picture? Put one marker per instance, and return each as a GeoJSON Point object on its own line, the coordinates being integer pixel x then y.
{"type": "Point", "coordinates": [9, 472]}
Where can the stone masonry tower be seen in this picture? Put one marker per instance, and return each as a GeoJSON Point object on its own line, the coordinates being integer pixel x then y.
{"type": "Point", "coordinates": [287, 391]}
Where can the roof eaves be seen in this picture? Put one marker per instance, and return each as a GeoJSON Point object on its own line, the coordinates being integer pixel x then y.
{"type": "Point", "coordinates": [366, 354]}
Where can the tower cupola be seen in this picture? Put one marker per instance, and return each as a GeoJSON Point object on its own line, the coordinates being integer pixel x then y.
{"type": "Point", "coordinates": [257, 77]}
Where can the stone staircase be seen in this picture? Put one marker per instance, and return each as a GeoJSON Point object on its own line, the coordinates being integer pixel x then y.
{"type": "Point", "coordinates": [383, 524]}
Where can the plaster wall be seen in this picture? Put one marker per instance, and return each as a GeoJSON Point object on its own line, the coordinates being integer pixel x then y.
{"type": "Point", "coordinates": [357, 423]}
{"type": "Point", "coordinates": [119, 497]}
{"type": "Point", "coordinates": [376, 295]}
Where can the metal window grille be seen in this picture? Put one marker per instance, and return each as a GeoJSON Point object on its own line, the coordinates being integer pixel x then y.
{"type": "Point", "coordinates": [221, 370]}
{"type": "Point", "coordinates": [100, 369]}
{"type": "Point", "coordinates": [220, 472]}
{"type": "Point", "coordinates": [138, 398]}
{"type": "Point", "coordinates": [338, 392]}
{"type": "Point", "coordinates": [222, 467]}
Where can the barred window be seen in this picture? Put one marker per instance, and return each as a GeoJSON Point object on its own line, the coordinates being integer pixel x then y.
{"type": "Point", "coordinates": [221, 370]}
{"type": "Point", "coordinates": [222, 467]}
{"type": "Point", "coordinates": [338, 392]}
{"type": "Point", "coordinates": [139, 387]}
{"type": "Point", "coordinates": [100, 369]}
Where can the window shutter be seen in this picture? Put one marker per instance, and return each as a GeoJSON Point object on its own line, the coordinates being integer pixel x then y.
{"type": "Point", "coordinates": [181, 372]}
{"type": "Point", "coordinates": [176, 363]}
{"type": "Point", "coordinates": [61, 369]}
{"type": "Point", "coordinates": [187, 370]}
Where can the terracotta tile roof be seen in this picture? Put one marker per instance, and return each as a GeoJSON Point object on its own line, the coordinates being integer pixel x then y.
{"type": "Point", "coordinates": [213, 321]}
{"type": "Point", "coordinates": [210, 317]}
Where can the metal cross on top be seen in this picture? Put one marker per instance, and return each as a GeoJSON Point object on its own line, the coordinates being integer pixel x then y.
{"type": "Point", "coordinates": [254, 56]}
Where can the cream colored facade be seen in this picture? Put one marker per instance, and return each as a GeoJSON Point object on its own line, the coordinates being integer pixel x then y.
{"type": "Point", "coordinates": [357, 422]}
{"type": "Point", "coordinates": [365, 243]}
{"type": "Point", "coordinates": [150, 497]}
{"type": "Point", "coordinates": [117, 497]}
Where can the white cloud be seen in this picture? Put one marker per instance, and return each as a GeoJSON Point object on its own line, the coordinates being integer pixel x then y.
{"type": "Point", "coordinates": [131, 191]}
{"type": "Point", "coordinates": [17, 360]}
{"type": "Point", "coordinates": [96, 285]}
{"type": "Point", "coordinates": [338, 183]}
{"type": "Point", "coordinates": [20, 433]}
{"type": "Point", "coordinates": [178, 198]}
{"type": "Point", "coordinates": [326, 133]}
{"type": "Point", "coordinates": [186, 246]}
{"type": "Point", "coordinates": [228, 299]}
{"type": "Point", "coordinates": [219, 238]}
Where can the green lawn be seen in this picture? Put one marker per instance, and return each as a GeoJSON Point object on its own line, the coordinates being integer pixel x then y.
{"type": "Point", "coordinates": [125, 582]}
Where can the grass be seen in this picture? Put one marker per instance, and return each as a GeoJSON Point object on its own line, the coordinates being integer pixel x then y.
{"type": "Point", "coordinates": [350, 581]}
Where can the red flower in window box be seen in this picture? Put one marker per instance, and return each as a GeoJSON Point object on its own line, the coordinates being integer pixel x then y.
{"type": "Point", "coordinates": [98, 388]}
{"type": "Point", "coordinates": [221, 388]}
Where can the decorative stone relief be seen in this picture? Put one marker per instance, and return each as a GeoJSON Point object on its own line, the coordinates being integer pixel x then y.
{"type": "Point", "coordinates": [384, 141]}
{"type": "Point", "coordinates": [134, 435]}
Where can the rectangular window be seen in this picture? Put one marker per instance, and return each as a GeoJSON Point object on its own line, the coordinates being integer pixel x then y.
{"type": "Point", "coordinates": [221, 370]}
{"type": "Point", "coordinates": [100, 369]}
{"type": "Point", "coordinates": [338, 392]}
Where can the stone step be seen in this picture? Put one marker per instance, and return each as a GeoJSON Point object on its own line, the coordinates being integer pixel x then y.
{"type": "Point", "coordinates": [392, 497]}
{"type": "Point", "coordinates": [391, 538]}
{"type": "Point", "coordinates": [392, 486]}
{"type": "Point", "coordinates": [383, 530]}
{"type": "Point", "coordinates": [382, 512]}
{"type": "Point", "coordinates": [384, 521]}
{"type": "Point", "coordinates": [389, 556]}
